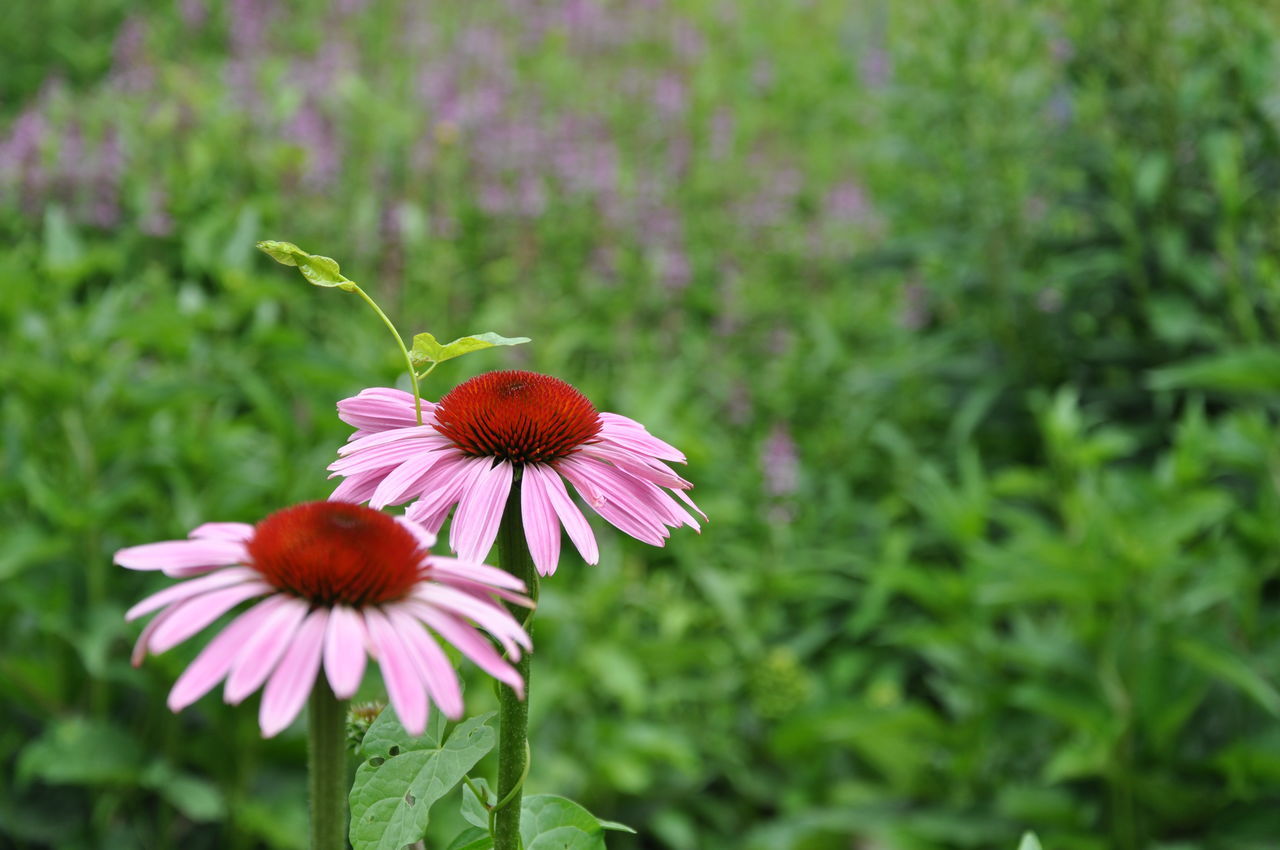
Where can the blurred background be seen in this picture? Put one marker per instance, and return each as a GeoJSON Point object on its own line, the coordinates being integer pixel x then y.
{"type": "Point", "coordinates": [967, 316]}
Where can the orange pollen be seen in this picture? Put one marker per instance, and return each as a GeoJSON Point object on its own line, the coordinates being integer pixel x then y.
{"type": "Point", "coordinates": [519, 416]}
{"type": "Point", "coordinates": [336, 553]}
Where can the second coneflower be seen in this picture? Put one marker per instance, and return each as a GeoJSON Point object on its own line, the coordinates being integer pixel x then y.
{"type": "Point", "coordinates": [482, 434]}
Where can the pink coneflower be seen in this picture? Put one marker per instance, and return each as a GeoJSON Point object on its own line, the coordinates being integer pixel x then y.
{"type": "Point", "coordinates": [339, 580]}
{"type": "Point", "coordinates": [482, 434]}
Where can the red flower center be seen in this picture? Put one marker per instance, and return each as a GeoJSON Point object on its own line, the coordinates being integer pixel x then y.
{"type": "Point", "coordinates": [522, 417]}
{"type": "Point", "coordinates": [337, 553]}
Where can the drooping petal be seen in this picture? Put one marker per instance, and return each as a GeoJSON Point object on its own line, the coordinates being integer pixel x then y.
{"type": "Point", "coordinates": [453, 477]}
{"type": "Point", "coordinates": [211, 665]}
{"type": "Point", "coordinates": [404, 684]}
{"type": "Point", "coordinates": [190, 588]}
{"type": "Point", "coordinates": [400, 437]}
{"type": "Point", "coordinates": [186, 618]}
{"type": "Point", "coordinates": [262, 651]}
{"type": "Point", "coordinates": [443, 566]}
{"type": "Point", "coordinates": [426, 539]}
{"type": "Point", "coordinates": [616, 499]}
{"type": "Point", "coordinates": [173, 555]}
{"type": "Point", "coordinates": [344, 651]}
{"type": "Point", "coordinates": [541, 526]}
{"type": "Point", "coordinates": [575, 524]}
{"type": "Point", "coordinates": [494, 619]}
{"type": "Point", "coordinates": [631, 434]}
{"type": "Point", "coordinates": [407, 480]}
{"type": "Point", "coordinates": [357, 488]}
{"type": "Point", "coordinates": [470, 643]}
{"type": "Point", "coordinates": [433, 664]}
{"type": "Point", "coordinates": [291, 683]}
{"type": "Point", "coordinates": [379, 408]}
{"type": "Point", "coordinates": [475, 524]}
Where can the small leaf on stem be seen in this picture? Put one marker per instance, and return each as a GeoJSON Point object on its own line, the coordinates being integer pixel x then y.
{"type": "Point", "coordinates": [426, 349]}
{"type": "Point", "coordinates": [318, 270]}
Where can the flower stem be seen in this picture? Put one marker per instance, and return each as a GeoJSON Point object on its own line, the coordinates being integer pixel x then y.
{"type": "Point", "coordinates": [327, 757]}
{"type": "Point", "coordinates": [408, 361]}
{"type": "Point", "coordinates": [513, 712]}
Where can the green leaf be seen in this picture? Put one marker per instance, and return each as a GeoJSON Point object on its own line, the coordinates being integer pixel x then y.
{"type": "Point", "coordinates": [320, 271]}
{"type": "Point", "coordinates": [426, 349]}
{"type": "Point", "coordinates": [198, 799]}
{"type": "Point", "coordinates": [79, 751]}
{"type": "Point", "coordinates": [472, 838]}
{"type": "Point", "coordinates": [473, 810]}
{"type": "Point", "coordinates": [551, 822]}
{"type": "Point", "coordinates": [1244, 370]}
{"type": "Point", "coordinates": [1232, 669]}
{"type": "Point", "coordinates": [1029, 842]}
{"type": "Point", "coordinates": [391, 799]}
{"type": "Point", "coordinates": [386, 733]}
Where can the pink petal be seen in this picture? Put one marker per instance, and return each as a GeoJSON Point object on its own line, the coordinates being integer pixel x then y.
{"type": "Point", "coordinates": [404, 685]}
{"type": "Point", "coordinates": [475, 524]}
{"type": "Point", "coordinates": [144, 639]}
{"type": "Point", "coordinates": [490, 616]}
{"type": "Point", "coordinates": [455, 475]}
{"type": "Point", "coordinates": [191, 615]}
{"type": "Point", "coordinates": [471, 644]}
{"type": "Point", "coordinates": [425, 538]}
{"type": "Point", "coordinates": [575, 524]}
{"type": "Point", "coordinates": [357, 488]}
{"type": "Point", "coordinates": [260, 653]}
{"type": "Point", "coordinates": [192, 587]}
{"type": "Point", "coordinates": [474, 571]}
{"type": "Point", "coordinates": [381, 451]}
{"type": "Point", "coordinates": [433, 664]}
{"type": "Point", "coordinates": [344, 651]}
{"type": "Point", "coordinates": [629, 433]}
{"type": "Point", "coordinates": [290, 684]}
{"type": "Point", "coordinates": [541, 527]}
{"type": "Point", "coordinates": [380, 408]}
{"type": "Point", "coordinates": [213, 662]}
{"type": "Point", "coordinates": [641, 466]}
{"type": "Point", "coordinates": [233, 531]}
{"type": "Point", "coordinates": [407, 480]}
{"type": "Point", "coordinates": [616, 498]}
{"type": "Point", "coordinates": [173, 555]}
{"type": "Point", "coordinates": [409, 436]}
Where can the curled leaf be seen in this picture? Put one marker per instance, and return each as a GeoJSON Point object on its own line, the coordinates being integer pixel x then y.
{"type": "Point", "coordinates": [318, 270]}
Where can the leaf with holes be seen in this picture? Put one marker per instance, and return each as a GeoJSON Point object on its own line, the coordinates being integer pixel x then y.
{"type": "Point", "coordinates": [386, 737]}
{"type": "Point", "coordinates": [391, 798]}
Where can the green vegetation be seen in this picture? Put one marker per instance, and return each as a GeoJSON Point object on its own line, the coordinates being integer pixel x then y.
{"type": "Point", "coordinates": [967, 316]}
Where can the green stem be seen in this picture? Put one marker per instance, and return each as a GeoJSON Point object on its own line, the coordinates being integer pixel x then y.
{"type": "Point", "coordinates": [408, 361]}
{"type": "Point", "coordinates": [327, 759]}
{"type": "Point", "coordinates": [513, 712]}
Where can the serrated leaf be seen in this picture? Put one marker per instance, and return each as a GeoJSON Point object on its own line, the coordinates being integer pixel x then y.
{"type": "Point", "coordinates": [1029, 842]}
{"type": "Point", "coordinates": [551, 822]}
{"type": "Point", "coordinates": [473, 810]}
{"type": "Point", "coordinates": [427, 349]}
{"type": "Point", "coordinates": [318, 270]}
{"type": "Point", "coordinates": [391, 800]}
{"type": "Point", "coordinates": [386, 732]}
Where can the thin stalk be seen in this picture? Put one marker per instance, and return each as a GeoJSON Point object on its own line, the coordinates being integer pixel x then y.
{"type": "Point", "coordinates": [513, 712]}
{"type": "Point", "coordinates": [408, 361]}
{"type": "Point", "coordinates": [327, 763]}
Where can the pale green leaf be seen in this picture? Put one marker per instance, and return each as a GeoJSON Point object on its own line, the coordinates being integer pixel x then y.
{"type": "Point", "coordinates": [427, 349]}
{"type": "Point", "coordinates": [1029, 842]}
{"type": "Point", "coordinates": [551, 822]}
{"type": "Point", "coordinates": [473, 810]}
{"type": "Point", "coordinates": [391, 798]}
{"type": "Point", "coordinates": [321, 271]}
{"type": "Point", "coordinates": [472, 838]}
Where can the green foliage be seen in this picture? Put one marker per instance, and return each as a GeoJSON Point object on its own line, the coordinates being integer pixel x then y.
{"type": "Point", "coordinates": [966, 321]}
{"type": "Point", "coordinates": [394, 791]}
{"type": "Point", "coordinates": [318, 270]}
